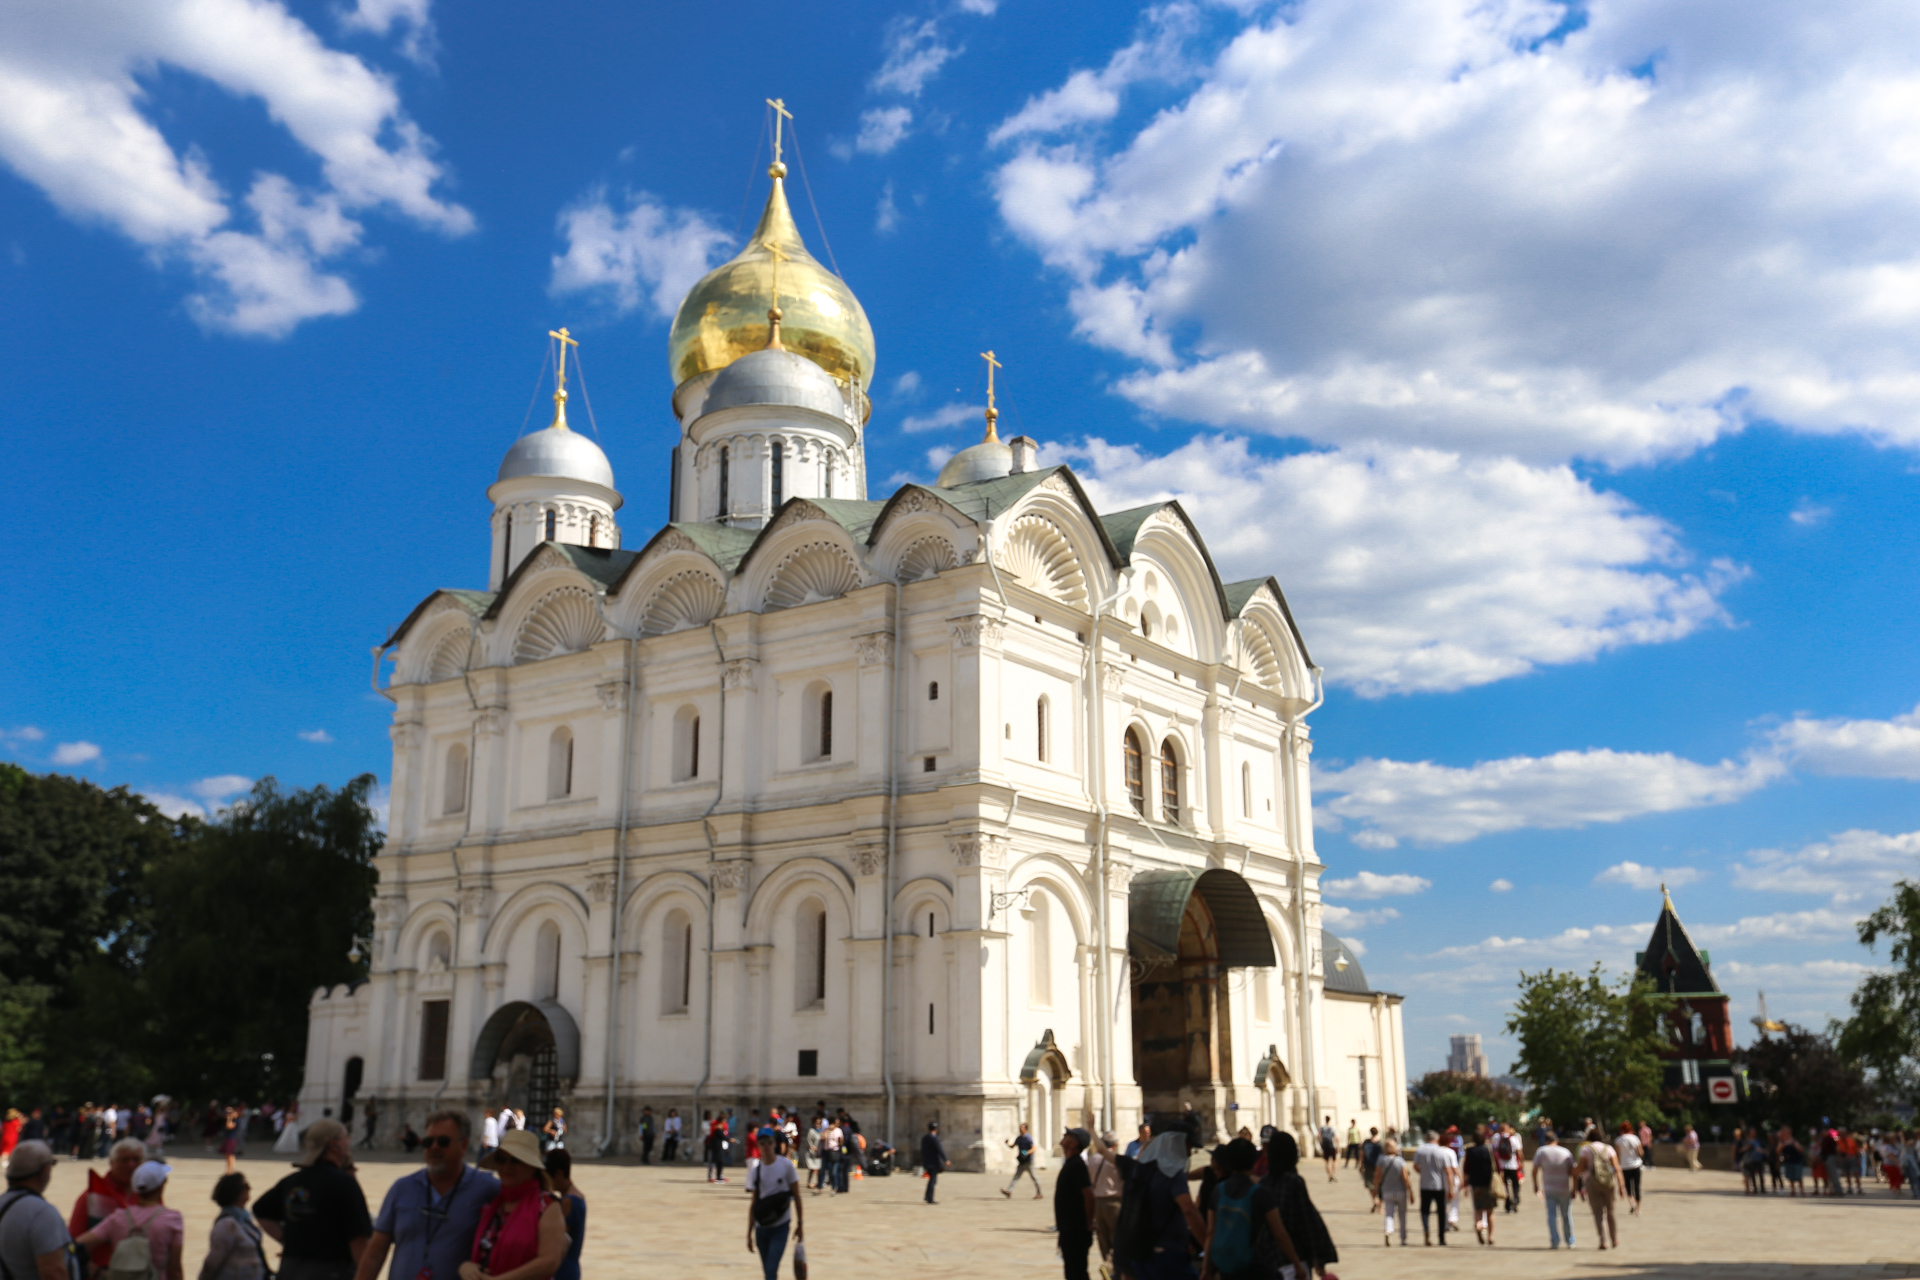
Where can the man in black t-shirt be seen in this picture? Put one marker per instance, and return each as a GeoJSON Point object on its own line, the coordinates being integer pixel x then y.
{"type": "Point", "coordinates": [1477, 1171]}
{"type": "Point", "coordinates": [1073, 1204]}
{"type": "Point", "coordinates": [318, 1213]}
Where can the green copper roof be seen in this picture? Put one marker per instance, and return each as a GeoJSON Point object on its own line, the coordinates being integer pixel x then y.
{"type": "Point", "coordinates": [476, 604]}
{"type": "Point", "coordinates": [1157, 899]}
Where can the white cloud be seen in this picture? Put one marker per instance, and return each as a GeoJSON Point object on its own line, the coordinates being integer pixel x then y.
{"type": "Point", "coordinates": [1429, 223]}
{"type": "Point", "coordinates": [1092, 97]}
{"type": "Point", "coordinates": [1428, 803]}
{"type": "Point", "coordinates": [1854, 866]}
{"type": "Point", "coordinates": [1417, 570]}
{"type": "Point", "coordinates": [1818, 925]}
{"type": "Point", "coordinates": [1502, 885]}
{"type": "Point", "coordinates": [79, 126]}
{"type": "Point", "coordinates": [23, 733]}
{"type": "Point", "coordinates": [1808, 515]}
{"type": "Point", "coordinates": [175, 806]}
{"type": "Point", "coordinates": [319, 736]}
{"type": "Point", "coordinates": [1854, 748]}
{"type": "Point", "coordinates": [943, 418]}
{"type": "Point", "coordinates": [909, 382]}
{"type": "Point", "coordinates": [221, 787]}
{"type": "Point", "coordinates": [1634, 876]}
{"type": "Point", "coordinates": [1369, 885]}
{"type": "Point", "coordinates": [980, 8]}
{"type": "Point", "coordinates": [76, 753]}
{"type": "Point", "coordinates": [886, 214]}
{"type": "Point", "coordinates": [644, 252]}
{"type": "Point", "coordinates": [1341, 919]}
{"type": "Point", "coordinates": [380, 17]}
{"type": "Point", "coordinates": [915, 53]}
{"type": "Point", "coordinates": [882, 129]}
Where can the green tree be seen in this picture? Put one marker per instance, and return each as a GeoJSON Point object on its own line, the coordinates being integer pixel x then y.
{"type": "Point", "coordinates": [262, 905]}
{"type": "Point", "coordinates": [1883, 1033]}
{"type": "Point", "coordinates": [1797, 1076]}
{"type": "Point", "coordinates": [1588, 1049]}
{"type": "Point", "coordinates": [1442, 1098]}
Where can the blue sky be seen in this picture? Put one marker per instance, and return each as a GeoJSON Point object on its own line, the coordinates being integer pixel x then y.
{"type": "Point", "coordinates": [1557, 361]}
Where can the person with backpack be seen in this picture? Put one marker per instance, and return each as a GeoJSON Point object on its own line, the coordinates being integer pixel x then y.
{"type": "Point", "coordinates": [1305, 1227]}
{"type": "Point", "coordinates": [1157, 1215]}
{"type": "Point", "coordinates": [1245, 1237]}
{"type": "Point", "coordinates": [146, 1237]}
{"type": "Point", "coordinates": [1476, 1171]}
{"type": "Point", "coordinates": [236, 1246]}
{"type": "Point", "coordinates": [1598, 1176]}
{"type": "Point", "coordinates": [1393, 1188]}
{"type": "Point", "coordinates": [34, 1242]}
{"type": "Point", "coordinates": [1506, 1157]}
{"type": "Point", "coordinates": [1022, 1144]}
{"type": "Point", "coordinates": [1073, 1203]}
{"type": "Point", "coordinates": [774, 1211]}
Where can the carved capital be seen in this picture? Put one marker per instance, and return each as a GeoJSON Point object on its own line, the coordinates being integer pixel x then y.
{"type": "Point", "coordinates": [1112, 679]}
{"type": "Point", "coordinates": [674, 540]}
{"type": "Point", "coordinates": [874, 647]}
{"type": "Point", "coordinates": [490, 720]}
{"type": "Point", "coordinates": [978, 630]}
{"type": "Point", "coordinates": [600, 888]}
{"type": "Point", "coordinates": [739, 674]}
{"type": "Point", "coordinates": [869, 859]}
{"type": "Point", "coordinates": [613, 695]}
{"type": "Point", "coordinates": [407, 734]}
{"type": "Point", "coordinates": [476, 900]}
{"type": "Point", "coordinates": [1119, 876]}
{"type": "Point", "coordinates": [731, 877]}
{"type": "Point", "coordinates": [389, 910]}
{"type": "Point", "coordinates": [1228, 718]}
{"type": "Point", "coordinates": [978, 849]}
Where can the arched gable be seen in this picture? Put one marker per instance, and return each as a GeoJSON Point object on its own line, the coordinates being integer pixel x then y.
{"type": "Point", "coordinates": [436, 634]}
{"type": "Point", "coordinates": [564, 620]}
{"type": "Point", "coordinates": [655, 895]}
{"type": "Point", "coordinates": [804, 555]}
{"type": "Point", "coordinates": [920, 534]}
{"type": "Point", "coordinates": [1060, 878]}
{"type": "Point", "coordinates": [1051, 541]}
{"type": "Point", "coordinates": [913, 897]}
{"type": "Point", "coordinates": [1173, 577]}
{"type": "Point", "coordinates": [833, 883]}
{"type": "Point", "coordinates": [546, 609]}
{"type": "Point", "coordinates": [548, 899]}
{"type": "Point", "coordinates": [1268, 646]}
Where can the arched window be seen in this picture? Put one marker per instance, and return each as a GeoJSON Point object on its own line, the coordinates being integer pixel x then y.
{"type": "Point", "coordinates": [453, 789]}
{"type": "Point", "coordinates": [553, 524]}
{"type": "Point", "coordinates": [726, 482]}
{"type": "Point", "coordinates": [593, 531]}
{"type": "Point", "coordinates": [1043, 745]}
{"type": "Point", "coordinates": [560, 764]}
{"type": "Point", "coordinates": [810, 933]}
{"type": "Point", "coordinates": [826, 476]}
{"type": "Point", "coordinates": [1169, 783]}
{"type": "Point", "coordinates": [686, 744]}
{"type": "Point", "coordinates": [676, 974]}
{"type": "Point", "coordinates": [439, 952]}
{"type": "Point", "coordinates": [1246, 790]}
{"type": "Point", "coordinates": [816, 722]}
{"type": "Point", "coordinates": [779, 474]}
{"type": "Point", "coordinates": [506, 549]}
{"type": "Point", "coordinates": [1136, 773]}
{"type": "Point", "coordinates": [826, 725]}
{"type": "Point", "coordinates": [546, 962]}
{"type": "Point", "coordinates": [1040, 963]}
{"type": "Point", "coordinates": [1262, 997]}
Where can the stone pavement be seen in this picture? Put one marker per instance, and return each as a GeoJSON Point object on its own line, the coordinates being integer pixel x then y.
{"type": "Point", "coordinates": [669, 1223]}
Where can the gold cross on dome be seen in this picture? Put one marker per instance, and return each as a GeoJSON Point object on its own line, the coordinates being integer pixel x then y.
{"type": "Point", "coordinates": [780, 115]}
{"type": "Point", "coordinates": [565, 342]}
{"type": "Point", "coordinates": [993, 413]}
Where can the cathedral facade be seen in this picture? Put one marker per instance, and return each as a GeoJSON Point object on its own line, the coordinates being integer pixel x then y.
{"type": "Point", "coordinates": [972, 803]}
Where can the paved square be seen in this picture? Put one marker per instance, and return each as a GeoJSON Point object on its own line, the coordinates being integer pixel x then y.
{"type": "Point", "coordinates": [667, 1223]}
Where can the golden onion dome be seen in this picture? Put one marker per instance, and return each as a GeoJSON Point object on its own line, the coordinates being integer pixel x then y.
{"type": "Point", "coordinates": [725, 316]}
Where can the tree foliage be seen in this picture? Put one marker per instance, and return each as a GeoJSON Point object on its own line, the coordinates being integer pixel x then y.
{"type": "Point", "coordinates": [1588, 1049]}
{"type": "Point", "coordinates": [1798, 1077]}
{"type": "Point", "coordinates": [142, 953]}
{"type": "Point", "coordinates": [1883, 1033]}
{"type": "Point", "coordinates": [1442, 1098]}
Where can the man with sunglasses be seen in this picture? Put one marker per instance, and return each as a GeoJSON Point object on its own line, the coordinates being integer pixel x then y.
{"type": "Point", "coordinates": [429, 1217]}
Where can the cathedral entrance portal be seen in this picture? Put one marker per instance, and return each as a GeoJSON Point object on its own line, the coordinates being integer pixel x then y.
{"type": "Point", "coordinates": [1186, 929]}
{"type": "Point", "coordinates": [530, 1054]}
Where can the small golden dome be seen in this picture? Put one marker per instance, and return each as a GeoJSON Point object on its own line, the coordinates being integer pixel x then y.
{"type": "Point", "coordinates": [725, 315]}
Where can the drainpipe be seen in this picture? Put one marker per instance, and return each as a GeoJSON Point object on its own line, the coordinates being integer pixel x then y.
{"type": "Point", "coordinates": [466, 824]}
{"type": "Point", "coordinates": [607, 1137]}
{"type": "Point", "coordinates": [1096, 703]}
{"type": "Point", "coordinates": [706, 825]}
{"type": "Point", "coordinates": [894, 735]}
{"type": "Point", "coordinates": [1300, 885]}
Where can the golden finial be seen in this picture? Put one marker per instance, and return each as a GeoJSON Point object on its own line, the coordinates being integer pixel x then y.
{"type": "Point", "coordinates": [778, 168]}
{"type": "Point", "coordinates": [560, 384]}
{"type": "Point", "coordinates": [773, 312]}
{"type": "Point", "coordinates": [993, 414]}
{"type": "Point", "coordinates": [1666, 899]}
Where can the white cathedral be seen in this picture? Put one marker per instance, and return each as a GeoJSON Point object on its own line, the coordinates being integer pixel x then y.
{"type": "Point", "coordinates": [972, 804]}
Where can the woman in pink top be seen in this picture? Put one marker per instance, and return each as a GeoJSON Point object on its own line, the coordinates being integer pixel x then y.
{"type": "Point", "coordinates": [148, 1216]}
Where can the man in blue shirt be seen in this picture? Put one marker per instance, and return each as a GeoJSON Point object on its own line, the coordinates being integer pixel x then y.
{"type": "Point", "coordinates": [429, 1218]}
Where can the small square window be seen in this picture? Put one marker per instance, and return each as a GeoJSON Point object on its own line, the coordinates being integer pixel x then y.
{"type": "Point", "coordinates": [926, 766]}
{"type": "Point", "coordinates": [809, 1062]}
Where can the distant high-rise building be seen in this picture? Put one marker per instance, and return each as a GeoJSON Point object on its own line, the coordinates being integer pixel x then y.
{"type": "Point", "coordinates": [1465, 1056]}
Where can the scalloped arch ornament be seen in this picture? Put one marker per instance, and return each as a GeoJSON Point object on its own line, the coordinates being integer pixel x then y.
{"type": "Point", "coordinates": [1261, 656]}
{"type": "Point", "coordinates": [691, 598]}
{"type": "Point", "coordinates": [449, 658]}
{"type": "Point", "coordinates": [563, 622]}
{"type": "Point", "coordinates": [926, 557]}
{"type": "Point", "coordinates": [817, 571]}
{"type": "Point", "coordinates": [1037, 554]}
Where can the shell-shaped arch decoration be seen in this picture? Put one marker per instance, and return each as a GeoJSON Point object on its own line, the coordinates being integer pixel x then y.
{"type": "Point", "coordinates": [449, 657]}
{"type": "Point", "coordinates": [1261, 656]}
{"type": "Point", "coordinates": [927, 557]}
{"type": "Point", "coordinates": [817, 571]}
{"type": "Point", "coordinates": [1037, 554]}
{"type": "Point", "coordinates": [563, 622]}
{"type": "Point", "coordinates": [688, 599]}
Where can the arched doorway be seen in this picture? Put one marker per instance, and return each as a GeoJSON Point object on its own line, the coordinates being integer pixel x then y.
{"type": "Point", "coordinates": [1186, 929]}
{"type": "Point", "coordinates": [529, 1053]}
{"type": "Point", "coordinates": [1271, 1075]}
{"type": "Point", "coordinates": [1045, 1073]}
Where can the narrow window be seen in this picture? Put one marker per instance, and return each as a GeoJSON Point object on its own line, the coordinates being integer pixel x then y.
{"type": "Point", "coordinates": [593, 531]}
{"type": "Point", "coordinates": [826, 465]}
{"type": "Point", "coordinates": [686, 964]}
{"type": "Point", "coordinates": [693, 748]}
{"type": "Point", "coordinates": [1246, 790]}
{"type": "Point", "coordinates": [779, 475]}
{"type": "Point", "coordinates": [929, 1022]}
{"type": "Point", "coordinates": [433, 1039]}
{"type": "Point", "coordinates": [726, 482]}
{"type": "Point", "coordinates": [1043, 748]}
{"type": "Point", "coordinates": [933, 691]}
{"type": "Point", "coordinates": [1262, 997]}
{"type": "Point", "coordinates": [553, 521]}
{"type": "Point", "coordinates": [546, 962]}
{"type": "Point", "coordinates": [560, 764]}
{"type": "Point", "coordinates": [1136, 779]}
{"type": "Point", "coordinates": [929, 924]}
{"type": "Point", "coordinates": [1040, 966]}
{"type": "Point", "coordinates": [1363, 1084]}
{"type": "Point", "coordinates": [506, 549]}
{"type": "Point", "coordinates": [820, 959]}
{"type": "Point", "coordinates": [927, 765]}
{"type": "Point", "coordinates": [455, 787]}
{"type": "Point", "coordinates": [1169, 782]}
{"type": "Point", "coordinates": [677, 949]}
{"type": "Point", "coordinates": [826, 725]}
{"type": "Point", "coordinates": [809, 1062]}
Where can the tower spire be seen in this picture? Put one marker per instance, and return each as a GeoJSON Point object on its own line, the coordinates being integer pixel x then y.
{"type": "Point", "coordinates": [993, 413]}
{"type": "Point", "coordinates": [560, 383]}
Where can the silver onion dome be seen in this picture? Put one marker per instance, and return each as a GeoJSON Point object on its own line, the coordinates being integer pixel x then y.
{"type": "Point", "coordinates": [988, 460]}
{"type": "Point", "coordinates": [557, 453]}
{"type": "Point", "coordinates": [777, 377]}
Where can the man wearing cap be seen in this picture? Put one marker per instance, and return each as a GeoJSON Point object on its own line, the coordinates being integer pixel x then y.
{"type": "Point", "coordinates": [34, 1242]}
{"type": "Point", "coordinates": [1073, 1204]}
{"type": "Point", "coordinates": [429, 1217]}
{"type": "Point", "coordinates": [107, 1195]}
{"type": "Point", "coordinates": [318, 1212]}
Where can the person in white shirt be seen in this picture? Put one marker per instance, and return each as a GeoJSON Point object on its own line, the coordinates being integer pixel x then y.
{"type": "Point", "coordinates": [1507, 1155]}
{"type": "Point", "coordinates": [1552, 1178]}
{"type": "Point", "coordinates": [1632, 1160]}
{"type": "Point", "coordinates": [774, 1210]}
{"type": "Point", "coordinates": [1439, 1180]}
{"type": "Point", "coordinates": [489, 1134]}
{"type": "Point", "coordinates": [670, 1136]}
